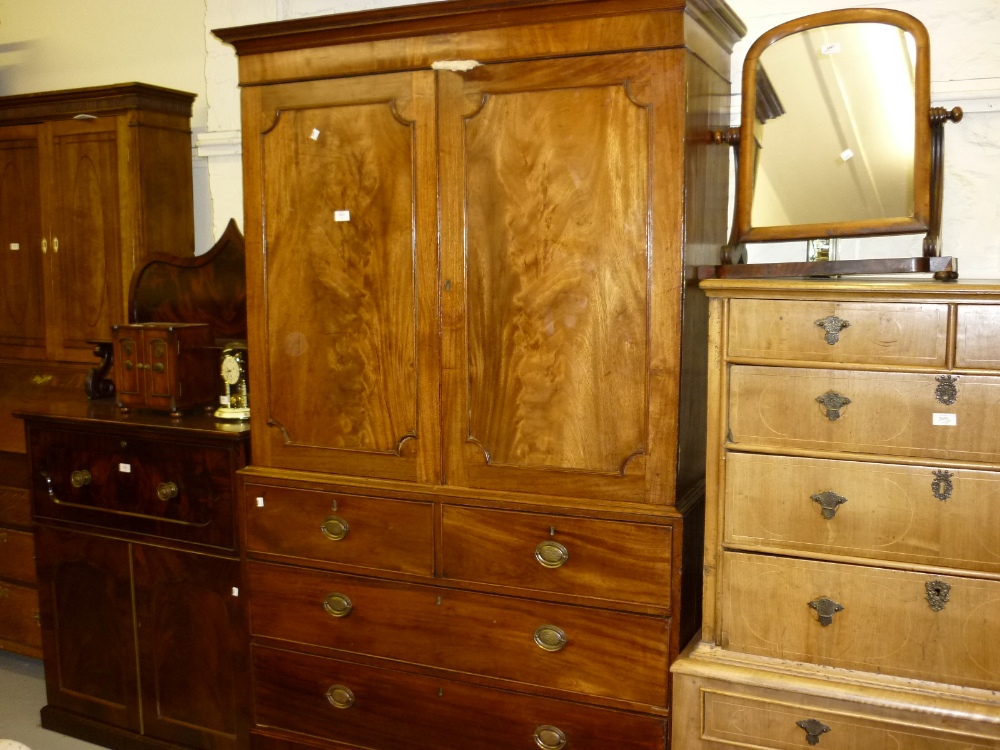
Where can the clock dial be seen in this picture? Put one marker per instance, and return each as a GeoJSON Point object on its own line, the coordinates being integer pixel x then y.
{"type": "Point", "coordinates": [230, 370]}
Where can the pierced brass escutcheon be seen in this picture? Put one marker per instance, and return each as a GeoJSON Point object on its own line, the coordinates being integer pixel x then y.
{"type": "Point", "coordinates": [335, 528]}
{"type": "Point", "coordinates": [813, 729]}
{"type": "Point", "coordinates": [947, 389]}
{"type": "Point", "coordinates": [826, 609]}
{"type": "Point", "coordinates": [80, 478]}
{"type": "Point", "coordinates": [340, 696]}
{"type": "Point", "coordinates": [551, 554]}
{"type": "Point", "coordinates": [167, 491]}
{"type": "Point", "coordinates": [833, 326]}
{"type": "Point", "coordinates": [549, 737]}
{"type": "Point", "coordinates": [338, 605]}
{"type": "Point", "coordinates": [833, 402]}
{"type": "Point", "coordinates": [942, 486]}
{"type": "Point", "coordinates": [550, 638]}
{"type": "Point", "coordinates": [829, 501]}
{"type": "Point", "coordinates": [937, 594]}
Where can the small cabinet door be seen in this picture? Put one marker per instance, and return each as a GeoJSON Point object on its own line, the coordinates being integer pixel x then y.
{"type": "Point", "coordinates": [341, 175]}
{"type": "Point", "coordinates": [85, 599]}
{"type": "Point", "coordinates": [561, 184]}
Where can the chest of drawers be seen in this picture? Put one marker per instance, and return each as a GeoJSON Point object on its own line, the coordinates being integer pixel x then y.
{"type": "Point", "coordinates": [852, 549]}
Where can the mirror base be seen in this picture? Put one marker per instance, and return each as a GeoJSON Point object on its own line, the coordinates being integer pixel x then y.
{"type": "Point", "coordinates": [944, 268]}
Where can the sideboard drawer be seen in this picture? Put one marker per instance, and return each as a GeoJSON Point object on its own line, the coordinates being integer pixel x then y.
{"type": "Point", "coordinates": [364, 532]}
{"type": "Point", "coordinates": [372, 707]}
{"type": "Point", "coordinates": [878, 333]}
{"type": "Point", "coordinates": [17, 556]}
{"type": "Point", "coordinates": [976, 342]}
{"type": "Point", "coordinates": [908, 414]}
{"type": "Point", "coordinates": [15, 506]}
{"type": "Point", "coordinates": [909, 514]}
{"type": "Point", "coordinates": [19, 616]}
{"type": "Point", "coordinates": [603, 653]}
{"type": "Point", "coordinates": [607, 560]}
{"type": "Point", "coordinates": [918, 625]}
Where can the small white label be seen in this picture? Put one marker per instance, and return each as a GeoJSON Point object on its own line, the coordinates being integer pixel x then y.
{"type": "Point", "coordinates": [942, 418]}
{"type": "Point", "coordinates": [314, 135]}
{"type": "Point", "coordinates": [236, 591]}
{"type": "Point", "coordinates": [833, 48]}
{"type": "Point", "coordinates": [341, 215]}
{"type": "Point", "coordinates": [260, 502]}
{"type": "Point", "coordinates": [15, 246]}
{"type": "Point", "coordinates": [846, 154]}
{"type": "Point", "coordinates": [125, 468]}
{"type": "Point", "coordinates": [224, 400]}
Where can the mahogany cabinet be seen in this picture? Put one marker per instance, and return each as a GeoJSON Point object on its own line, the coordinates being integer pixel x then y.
{"type": "Point", "coordinates": [478, 365]}
{"type": "Point", "coordinates": [139, 576]}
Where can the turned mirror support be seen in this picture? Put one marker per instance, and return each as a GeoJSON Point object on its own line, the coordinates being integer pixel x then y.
{"type": "Point", "coordinates": [939, 116]}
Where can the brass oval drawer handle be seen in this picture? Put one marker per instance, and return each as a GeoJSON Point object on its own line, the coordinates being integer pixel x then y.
{"type": "Point", "coordinates": [829, 501]}
{"type": "Point", "coordinates": [335, 528]}
{"type": "Point", "coordinates": [549, 737]}
{"type": "Point", "coordinates": [80, 478]}
{"type": "Point", "coordinates": [826, 609]}
{"type": "Point", "coordinates": [833, 326]}
{"type": "Point", "coordinates": [550, 638]}
{"type": "Point", "coordinates": [551, 554]}
{"type": "Point", "coordinates": [167, 491]}
{"type": "Point", "coordinates": [833, 402]}
{"type": "Point", "coordinates": [813, 729]}
{"type": "Point", "coordinates": [338, 605]}
{"type": "Point", "coordinates": [340, 696]}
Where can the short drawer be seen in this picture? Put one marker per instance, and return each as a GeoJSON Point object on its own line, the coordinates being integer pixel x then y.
{"type": "Point", "coordinates": [17, 556]}
{"type": "Point", "coordinates": [904, 414]}
{"type": "Point", "coordinates": [363, 532]}
{"type": "Point", "coordinates": [605, 560]}
{"type": "Point", "coordinates": [15, 506]}
{"type": "Point", "coordinates": [19, 616]}
{"type": "Point", "coordinates": [976, 344]}
{"type": "Point", "coordinates": [910, 514]}
{"type": "Point", "coordinates": [918, 625]}
{"type": "Point", "coordinates": [574, 649]}
{"type": "Point", "coordinates": [372, 707]}
{"type": "Point", "coordinates": [169, 489]}
{"type": "Point", "coordinates": [877, 333]}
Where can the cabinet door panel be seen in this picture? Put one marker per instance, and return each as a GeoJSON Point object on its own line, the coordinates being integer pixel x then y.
{"type": "Point", "coordinates": [22, 304]}
{"type": "Point", "coordinates": [555, 271]}
{"type": "Point", "coordinates": [348, 337]}
{"type": "Point", "coordinates": [84, 594]}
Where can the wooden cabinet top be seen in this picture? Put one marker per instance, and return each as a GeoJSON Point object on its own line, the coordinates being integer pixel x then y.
{"type": "Point", "coordinates": [95, 100]}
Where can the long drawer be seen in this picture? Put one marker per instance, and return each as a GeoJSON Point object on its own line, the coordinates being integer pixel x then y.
{"type": "Point", "coordinates": [909, 514]}
{"type": "Point", "coordinates": [908, 414]}
{"type": "Point", "coordinates": [17, 556]}
{"type": "Point", "coordinates": [575, 649]}
{"type": "Point", "coordinates": [931, 627]}
{"type": "Point", "coordinates": [604, 560]}
{"type": "Point", "coordinates": [19, 616]}
{"type": "Point", "coordinates": [370, 707]}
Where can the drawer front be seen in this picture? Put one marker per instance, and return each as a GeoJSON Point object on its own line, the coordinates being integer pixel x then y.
{"type": "Point", "coordinates": [606, 654]}
{"type": "Point", "coordinates": [919, 625]}
{"type": "Point", "coordinates": [607, 560]}
{"type": "Point", "coordinates": [168, 489]}
{"type": "Point", "coordinates": [888, 413]}
{"type": "Point", "coordinates": [19, 615]}
{"type": "Point", "coordinates": [366, 532]}
{"type": "Point", "coordinates": [17, 556]}
{"type": "Point", "coordinates": [847, 332]}
{"type": "Point", "coordinates": [976, 344]}
{"type": "Point", "coordinates": [380, 708]}
{"type": "Point", "coordinates": [767, 723]}
{"type": "Point", "coordinates": [910, 514]}
{"type": "Point", "coordinates": [15, 506]}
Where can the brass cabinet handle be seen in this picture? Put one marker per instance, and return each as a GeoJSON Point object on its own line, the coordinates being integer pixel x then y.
{"type": "Point", "coordinates": [158, 367]}
{"type": "Point", "coordinates": [338, 605]}
{"type": "Point", "coordinates": [55, 244]}
{"type": "Point", "coordinates": [833, 326]}
{"type": "Point", "coordinates": [938, 593]}
{"type": "Point", "coordinates": [551, 554]}
{"type": "Point", "coordinates": [166, 491]}
{"type": "Point", "coordinates": [813, 729]}
{"type": "Point", "coordinates": [80, 478]}
{"type": "Point", "coordinates": [340, 696]}
{"type": "Point", "coordinates": [335, 528]}
{"type": "Point", "coordinates": [829, 501]}
{"type": "Point", "coordinates": [45, 246]}
{"type": "Point", "coordinates": [550, 638]}
{"type": "Point", "coordinates": [128, 364]}
{"type": "Point", "coordinates": [549, 737]}
{"type": "Point", "coordinates": [942, 486]}
{"type": "Point", "coordinates": [826, 609]}
{"type": "Point", "coordinates": [947, 389]}
{"type": "Point", "coordinates": [833, 402]}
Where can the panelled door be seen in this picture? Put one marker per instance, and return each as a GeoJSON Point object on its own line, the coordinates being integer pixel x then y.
{"type": "Point", "coordinates": [561, 190]}
{"type": "Point", "coordinates": [342, 284]}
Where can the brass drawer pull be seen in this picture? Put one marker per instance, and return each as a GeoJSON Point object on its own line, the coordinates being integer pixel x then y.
{"type": "Point", "coordinates": [340, 696]}
{"type": "Point", "coordinates": [833, 402]}
{"type": "Point", "coordinates": [826, 609]}
{"type": "Point", "coordinates": [158, 367]}
{"type": "Point", "coordinates": [335, 528]}
{"type": "Point", "coordinates": [937, 594]}
{"type": "Point", "coordinates": [942, 486]}
{"type": "Point", "coordinates": [550, 638]}
{"type": "Point", "coordinates": [167, 491]}
{"type": "Point", "coordinates": [551, 554]}
{"type": "Point", "coordinates": [829, 501]}
{"type": "Point", "coordinates": [80, 478]}
{"type": "Point", "coordinates": [549, 737]}
{"type": "Point", "coordinates": [947, 390]}
{"type": "Point", "coordinates": [338, 605]}
{"type": "Point", "coordinates": [813, 729]}
{"type": "Point", "coordinates": [833, 326]}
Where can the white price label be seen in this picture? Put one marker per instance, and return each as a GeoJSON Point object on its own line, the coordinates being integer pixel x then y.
{"type": "Point", "coordinates": [125, 468]}
{"type": "Point", "coordinates": [15, 246]}
{"type": "Point", "coordinates": [833, 48]}
{"type": "Point", "coordinates": [341, 215]}
{"type": "Point", "coordinates": [314, 135]}
{"type": "Point", "coordinates": [260, 502]}
{"type": "Point", "coordinates": [942, 418]}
